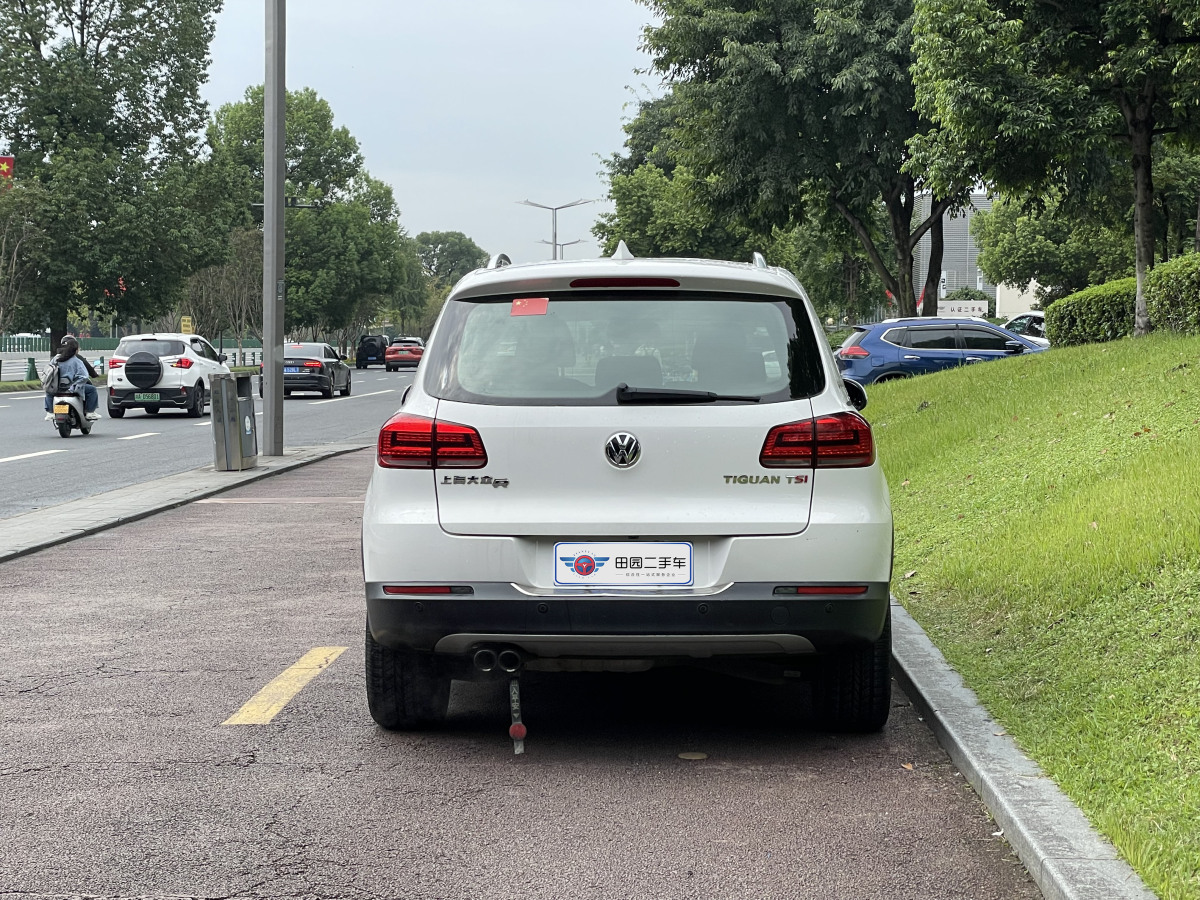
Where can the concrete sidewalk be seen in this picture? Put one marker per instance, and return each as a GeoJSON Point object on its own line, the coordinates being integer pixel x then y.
{"type": "Point", "coordinates": [1067, 858]}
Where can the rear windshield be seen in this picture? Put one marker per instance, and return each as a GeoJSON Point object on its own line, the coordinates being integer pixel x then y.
{"type": "Point", "coordinates": [309, 351]}
{"type": "Point", "coordinates": [575, 350]}
{"type": "Point", "coordinates": [157, 347]}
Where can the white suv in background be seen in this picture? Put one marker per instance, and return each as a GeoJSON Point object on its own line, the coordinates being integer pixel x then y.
{"type": "Point", "coordinates": [162, 371]}
{"type": "Point", "coordinates": [612, 464]}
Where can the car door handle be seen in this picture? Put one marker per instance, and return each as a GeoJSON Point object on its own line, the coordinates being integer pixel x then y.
{"type": "Point", "coordinates": [910, 356]}
{"type": "Point", "coordinates": [974, 359]}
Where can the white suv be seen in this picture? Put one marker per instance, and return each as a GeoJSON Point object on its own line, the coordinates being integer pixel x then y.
{"type": "Point", "coordinates": [610, 464]}
{"type": "Point", "coordinates": [162, 371]}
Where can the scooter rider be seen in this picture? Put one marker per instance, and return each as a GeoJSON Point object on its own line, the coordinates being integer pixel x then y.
{"type": "Point", "coordinates": [73, 374]}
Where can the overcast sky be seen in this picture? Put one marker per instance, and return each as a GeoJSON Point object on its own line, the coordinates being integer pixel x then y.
{"type": "Point", "coordinates": [463, 106]}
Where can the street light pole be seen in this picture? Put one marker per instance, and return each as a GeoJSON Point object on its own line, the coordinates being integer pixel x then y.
{"type": "Point", "coordinates": [554, 218]}
{"type": "Point", "coordinates": [563, 244]}
{"type": "Point", "coordinates": [273, 257]}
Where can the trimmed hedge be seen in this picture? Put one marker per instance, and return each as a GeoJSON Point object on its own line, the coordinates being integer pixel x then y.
{"type": "Point", "coordinates": [1173, 294]}
{"type": "Point", "coordinates": [1103, 312]}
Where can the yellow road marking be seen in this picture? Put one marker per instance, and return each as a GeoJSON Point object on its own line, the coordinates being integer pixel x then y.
{"type": "Point", "coordinates": [263, 706]}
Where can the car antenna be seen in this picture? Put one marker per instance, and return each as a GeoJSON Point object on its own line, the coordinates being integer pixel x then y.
{"type": "Point", "coordinates": [622, 252]}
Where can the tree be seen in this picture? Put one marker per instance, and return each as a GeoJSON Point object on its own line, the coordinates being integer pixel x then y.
{"type": "Point", "coordinates": [100, 104]}
{"type": "Point", "coordinates": [448, 255]}
{"type": "Point", "coordinates": [796, 104]}
{"type": "Point", "coordinates": [22, 244]}
{"type": "Point", "coordinates": [1031, 93]}
{"type": "Point", "coordinates": [1061, 248]}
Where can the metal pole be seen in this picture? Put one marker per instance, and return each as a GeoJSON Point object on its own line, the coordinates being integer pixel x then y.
{"type": "Point", "coordinates": [554, 233]}
{"type": "Point", "coordinates": [273, 286]}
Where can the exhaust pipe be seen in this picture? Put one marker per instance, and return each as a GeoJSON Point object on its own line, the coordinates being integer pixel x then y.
{"type": "Point", "coordinates": [485, 660]}
{"type": "Point", "coordinates": [509, 660]}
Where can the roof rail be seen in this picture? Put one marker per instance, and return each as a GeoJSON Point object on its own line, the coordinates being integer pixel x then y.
{"type": "Point", "coordinates": [760, 261]}
{"type": "Point", "coordinates": [499, 261]}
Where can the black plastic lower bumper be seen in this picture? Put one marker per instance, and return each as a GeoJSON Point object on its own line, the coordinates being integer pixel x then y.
{"type": "Point", "coordinates": [826, 622]}
{"type": "Point", "coordinates": [168, 398]}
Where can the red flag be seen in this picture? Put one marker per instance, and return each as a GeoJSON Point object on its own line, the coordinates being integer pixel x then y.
{"type": "Point", "coordinates": [6, 167]}
{"type": "Point", "coordinates": [530, 306]}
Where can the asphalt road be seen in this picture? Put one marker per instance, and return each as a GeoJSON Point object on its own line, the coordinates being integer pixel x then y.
{"type": "Point", "coordinates": [38, 468]}
{"type": "Point", "coordinates": [126, 652]}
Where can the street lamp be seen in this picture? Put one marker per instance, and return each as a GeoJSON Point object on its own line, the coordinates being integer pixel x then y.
{"type": "Point", "coordinates": [563, 244]}
{"type": "Point", "coordinates": [274, 102]}
{"type": "Point", "coordinates": [554, 218]}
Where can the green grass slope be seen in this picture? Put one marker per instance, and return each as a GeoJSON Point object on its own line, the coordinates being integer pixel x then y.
{"type": "Point", "coordinates": [1048, 538]}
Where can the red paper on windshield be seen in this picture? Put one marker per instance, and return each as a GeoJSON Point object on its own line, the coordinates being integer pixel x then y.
{"type": "Point", "coordinates": [530, 306]}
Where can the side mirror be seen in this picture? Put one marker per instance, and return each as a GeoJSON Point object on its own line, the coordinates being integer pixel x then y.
{"type": "Point", "coordinates": [858, 393]}
{"type": "Point", "coordinates": [221, 357]}
{"type": "Point", "coordinates": [1014, 347]}
{"type": "Point", "coordinates": [343, 357]}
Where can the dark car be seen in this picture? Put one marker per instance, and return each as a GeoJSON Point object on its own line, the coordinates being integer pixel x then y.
{"type": "Point", "coordinates": [900, 348]}
{"type": "Point", "coordinates": [314, 367]}
{"type": "Point", "coordinates": [371, 351]}
{"type": "Point", "coordinates": [403, 352]}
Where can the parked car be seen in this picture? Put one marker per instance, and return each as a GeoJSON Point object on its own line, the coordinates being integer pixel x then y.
{"type": "Point", "coordinates": [1031, 324]}
{"type": "Point", "coordinates": [900, 348]}
{"type": "Point", "coordinates": [313, 367]}
{"type": "Point", "coordinates": [371, 350]}
{"type": "Point", "coordinates": [702, 490]}
{"type": "Point", "coordinates": [403, 352]}
{"type": "Point", "coordinates": [162, 371]}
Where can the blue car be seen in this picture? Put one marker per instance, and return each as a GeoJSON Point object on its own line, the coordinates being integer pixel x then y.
{"type": "Point", "coordinates": [901, 348]}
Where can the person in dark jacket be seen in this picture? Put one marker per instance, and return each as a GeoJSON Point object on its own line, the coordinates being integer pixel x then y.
{"type": "Point", "coordinates": [73, 374]}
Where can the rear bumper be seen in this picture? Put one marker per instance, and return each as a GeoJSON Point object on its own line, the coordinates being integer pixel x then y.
{"type": "Point", "coordinates": [306, 382]}
{"type": "Point", "coordinates": [743, 620]}
{"type": "Point", "coordinates": [179, 397]}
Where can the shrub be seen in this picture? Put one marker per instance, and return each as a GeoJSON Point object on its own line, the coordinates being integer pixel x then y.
{"type": "Point", "coordinates": [972, 295]}
{"type": "Point", "coordinates": [1103, 312]}
{"type": "Point", "coordinates": [836, 338]}
{"type": "Point", "coordinates": [1173, 294]}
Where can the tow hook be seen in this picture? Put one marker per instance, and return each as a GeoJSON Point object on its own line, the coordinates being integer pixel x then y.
{"type": "Point", "coordinates": [508, 661]}
{"type": "Point", "coordinates": [517, 730]}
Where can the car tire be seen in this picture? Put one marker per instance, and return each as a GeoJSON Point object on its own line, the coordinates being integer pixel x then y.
{"type": "Point", "coordinates": [152, 410]}
{"type": "Point", "coordinates": [852, 690]}
{"type": "Point", "coordinates": [406, 689]}
{"type": "Point", "coordinates": [328, 392]}
{"type": "Point", "coordinates": [116, 412]}
{"type": "Point", "coordinates": [345, 392]}
{"type": "Point", "coordinates": [196, 407]}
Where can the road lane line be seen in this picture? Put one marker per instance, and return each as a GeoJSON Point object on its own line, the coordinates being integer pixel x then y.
{"type": "Point", "coordinates": [352, 397]}
{"type": "Point", "coordinates": [203, 425]}
{"type": "Point", "coordinates": [38, 396]}
{"type": "Point", "coordinates": [134, 437]}
{"type": "Point", "coordinates": [30, 455]}
{"type": "Point", "coordinates": [263, 706]}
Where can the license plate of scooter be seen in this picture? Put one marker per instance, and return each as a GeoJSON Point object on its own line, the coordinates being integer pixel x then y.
{"type": "Point", "coordinates": [145, 398]}
{"type": "Point", "coordinates": [62, 408]}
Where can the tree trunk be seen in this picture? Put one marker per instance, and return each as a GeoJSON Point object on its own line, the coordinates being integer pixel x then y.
{"type": "Point", "coordinates": [1140, 120]}
{"type": "Point", "coordinates": [933, 276]}
{"type": "Point", "coordinates": [1196, 240]}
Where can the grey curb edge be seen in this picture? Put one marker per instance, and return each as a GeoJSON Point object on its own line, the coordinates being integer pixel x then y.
{"type": "Point", "coordinates": [1067, 858]}
{"type": "Point", "coordinates": [33, 531]}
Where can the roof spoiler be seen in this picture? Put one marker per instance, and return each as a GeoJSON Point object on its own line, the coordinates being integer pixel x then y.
{"type": "Point", "coordinates": [760, 261]}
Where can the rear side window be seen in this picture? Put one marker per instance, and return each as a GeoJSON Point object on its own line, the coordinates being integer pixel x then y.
{"type": "Point", "coordinates": [894, 336]}
{"type": "Point", "coordinates": [576, 349]}
{"type": "Point", "coordinates": [157, 347]}
{"type": "Point", "coordinates": [931, 338]}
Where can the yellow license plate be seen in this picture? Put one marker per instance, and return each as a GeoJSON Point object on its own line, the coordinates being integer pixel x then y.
{"type": "Point", "coordinates": [61, 408]}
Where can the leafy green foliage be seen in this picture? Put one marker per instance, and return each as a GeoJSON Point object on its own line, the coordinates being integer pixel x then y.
{"type": "Point", "coordinates": [1042, 542]}
{"type": "Point", "coordinates": [800, 106]}
{"type": "Point", "coordinates": [1173, 294]}
{"type": "Point", "coordinates": [22, 242]}
{"type": "Point", "coordinates": [448, 255]}
{"type": "Point", "coordinates": [1063, 251]}
{"type": "Point", "coordinates": [1100, 313]}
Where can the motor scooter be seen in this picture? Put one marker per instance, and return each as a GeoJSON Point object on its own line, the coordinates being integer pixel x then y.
{"type": "Point", "coordinates": [68, 414]}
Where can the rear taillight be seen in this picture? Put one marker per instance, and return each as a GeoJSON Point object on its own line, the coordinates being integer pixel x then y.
{"type": "Point", "coordinates": [841, 441]}
{"type": "Point", "coordinates": [182, 363]}
{"type": "Point", "coordinates": [116, 363]}
{"type": "Point", "coordinates": [415, 442]}
{"type": "Point", "coordinates": [312, 364]}
{"type": "Point", "coordinates": [854, 352]}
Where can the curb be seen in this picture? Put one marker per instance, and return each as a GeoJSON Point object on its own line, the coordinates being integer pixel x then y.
{"type": "Point", "coordinates": [1068, 859]}
{"type": "Point", "coordinates": [42, 528]}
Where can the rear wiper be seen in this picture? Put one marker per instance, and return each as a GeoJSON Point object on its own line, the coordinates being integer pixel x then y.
{"type": "Point", "coordinates": [627, 394]}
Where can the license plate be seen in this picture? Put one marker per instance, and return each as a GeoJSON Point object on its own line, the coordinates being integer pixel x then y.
{"type": "Point", "coordinates": [291, 370]}
{"type": "Point", "coordinates": [623, 564]}
{"type": "Point", "coordinates": [372, 357]}
{"type": "Point", "coordinates": [145, 398]}
{"type": "Point", "coordinates": [61, 408]}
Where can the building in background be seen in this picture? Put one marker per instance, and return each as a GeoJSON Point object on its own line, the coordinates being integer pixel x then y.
{"type": "Point", "coordinates": [960, 256]}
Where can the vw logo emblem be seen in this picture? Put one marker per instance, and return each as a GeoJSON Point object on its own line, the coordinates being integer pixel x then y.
{"type": "Point", "coordinates": [623, 450]}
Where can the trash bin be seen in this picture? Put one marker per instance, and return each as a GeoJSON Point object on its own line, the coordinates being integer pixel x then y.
{"type": "Point", "coordinates": [235, 432]}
